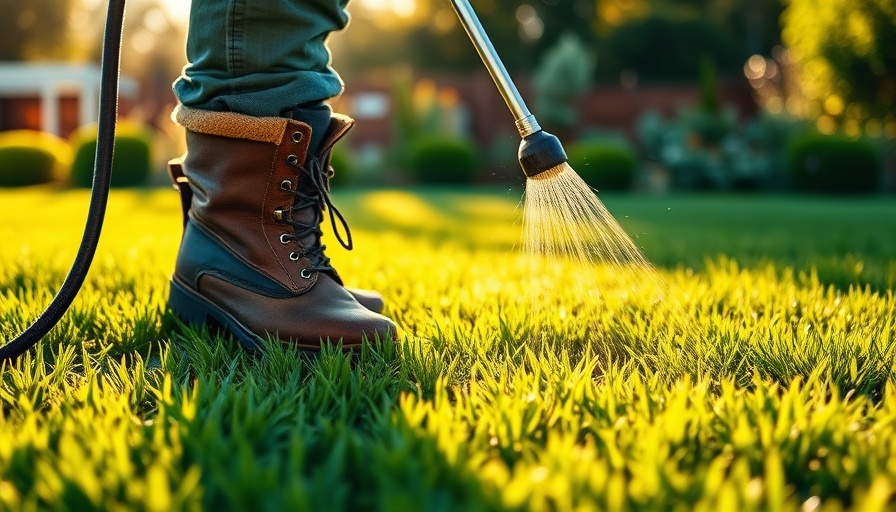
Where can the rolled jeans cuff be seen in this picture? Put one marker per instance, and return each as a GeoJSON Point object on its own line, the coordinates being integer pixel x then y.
{"type": "Point", "coordinates": [259, 57]}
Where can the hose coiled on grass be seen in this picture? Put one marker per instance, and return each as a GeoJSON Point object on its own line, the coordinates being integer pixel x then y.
{"type": "Point", "coordinates": [102, 174]}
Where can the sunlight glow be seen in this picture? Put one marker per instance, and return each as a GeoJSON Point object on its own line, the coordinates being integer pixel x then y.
{"type": "Point", "coordinates": [178, 9]}
{"type": "Point", "coordinates": [402, 8]}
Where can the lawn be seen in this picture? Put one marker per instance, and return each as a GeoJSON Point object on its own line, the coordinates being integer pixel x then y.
{"type": "Point", "coordinates": [499, 395]}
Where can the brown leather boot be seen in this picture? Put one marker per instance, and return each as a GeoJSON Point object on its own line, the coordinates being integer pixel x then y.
{"type": "Point", "coordinates": [251, 258]}
{"type": "Point", "coordinates": [370, 299]}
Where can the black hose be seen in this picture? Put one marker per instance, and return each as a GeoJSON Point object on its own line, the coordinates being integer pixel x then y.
{"type": "Point", "coordinates": [102, 173]}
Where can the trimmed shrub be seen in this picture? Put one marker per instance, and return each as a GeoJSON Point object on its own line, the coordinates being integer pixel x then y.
{"type": "Point", "coordinates": [604, 165]}
{"type": "Point", "coordinates": [131, 160]}
{"type": "Point", "coordinates": [30, 158]}
{"type": "Point", "coordinates": [833, 164]}
{"type": "Point", "coordinates": [441, 160]}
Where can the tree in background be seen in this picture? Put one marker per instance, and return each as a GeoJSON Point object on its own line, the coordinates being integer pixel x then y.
{"type": "Point", "coordinates": [563, 76]}
{"type": "Point", "coordinates": [845, 52]}
{"type": "Point", "coordinates": [755, 24]}
{"type": "Point", "coordinates": [34, 29]}
{"type": "Point", "coordinates": [752, 24]}
{"type": "Point", "coordinates": [665, 48]}
{"type": "Point", "coordinates": [665, 40]}
{"type": "Point", "coordinates": [659, 40]}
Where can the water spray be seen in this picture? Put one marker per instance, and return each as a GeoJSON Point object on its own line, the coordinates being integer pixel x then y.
{"type": "Point", "coordinates": [563, 217]}
{"type": "Point", "coordinates": [541, 155]}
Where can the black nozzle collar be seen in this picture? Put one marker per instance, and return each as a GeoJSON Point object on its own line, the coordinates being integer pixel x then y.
{"type": "Point", "coordinates": [539, 152]}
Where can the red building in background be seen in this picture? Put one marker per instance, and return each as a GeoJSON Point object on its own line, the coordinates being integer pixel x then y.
{"type": "Point", "coordinates": [54, 97]}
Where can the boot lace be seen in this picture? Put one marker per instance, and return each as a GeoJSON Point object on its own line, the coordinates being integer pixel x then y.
{"type": "Point", "coordinates": [317, 198]}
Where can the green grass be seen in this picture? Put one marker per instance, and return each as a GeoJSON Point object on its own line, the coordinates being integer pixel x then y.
{"type": "Point", "coordinates": [784, 400]}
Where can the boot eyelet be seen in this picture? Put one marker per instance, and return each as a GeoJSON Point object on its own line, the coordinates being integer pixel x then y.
{"type": "Point", "coordinates": [292, 160]}
{"type": "Point", "coordinates": [285, 238]}
{"type": "Point", "coordinates": [297, 137]}
{"type": "Point", "coordinates": [305, 273]}
{"type": "Point", "coordinates": [278, 214]}
{"type": "Point", "coordinates": [286, 185]}
{"type": "Point", "coordinates": [294, 256]}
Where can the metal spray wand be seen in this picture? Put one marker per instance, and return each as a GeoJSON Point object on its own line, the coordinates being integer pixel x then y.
{"type": "Point", "coordinates": [539, 150]}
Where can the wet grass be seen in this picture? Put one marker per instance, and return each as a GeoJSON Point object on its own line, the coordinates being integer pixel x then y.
{"type": "Point", "coordinates": [785, 398]}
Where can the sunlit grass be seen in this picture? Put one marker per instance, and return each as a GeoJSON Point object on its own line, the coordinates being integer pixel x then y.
{"type": "Point", "coordinates": [785, 398]}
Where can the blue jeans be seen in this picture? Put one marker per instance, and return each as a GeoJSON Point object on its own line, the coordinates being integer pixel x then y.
{"type": "Point", "coordinates": [259, 57]}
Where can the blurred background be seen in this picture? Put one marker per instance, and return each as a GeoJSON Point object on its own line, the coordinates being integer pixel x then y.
{"type": "Point", "coordinates": [648, 96]}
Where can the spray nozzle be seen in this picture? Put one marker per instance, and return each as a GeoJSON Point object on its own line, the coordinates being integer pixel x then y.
{"type": "Point", "coordinates": [540, 152]}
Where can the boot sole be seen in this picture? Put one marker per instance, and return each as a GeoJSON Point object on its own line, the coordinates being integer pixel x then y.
{"type": "Point", "coordinates": [195, 309]}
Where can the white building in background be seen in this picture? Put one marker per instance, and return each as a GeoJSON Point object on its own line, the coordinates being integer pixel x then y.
{"type": "Point", "coordinates": [50, 82]}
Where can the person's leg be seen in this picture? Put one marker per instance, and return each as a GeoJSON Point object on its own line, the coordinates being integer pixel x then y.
{"type": "Point", "coordinates": [260, 57]}
{"type": "Point", "coordinates": [255, 176]}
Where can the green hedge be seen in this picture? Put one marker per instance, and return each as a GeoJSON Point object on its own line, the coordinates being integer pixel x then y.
{"type": "Point", "coordinates": [441, 160]}
{"type": "Point", "coordinates": [604, 165]}
{"type": "Point", "coordinates": [833, 164]}
{"type": "Point", "coordinates": [30, 158]}
{"type": "Point", "coordinates": [131, 162]}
